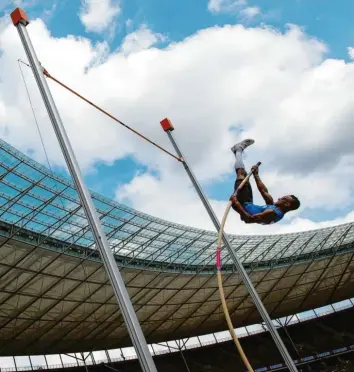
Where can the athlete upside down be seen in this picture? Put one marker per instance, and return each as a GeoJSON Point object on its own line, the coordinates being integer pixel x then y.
{"type": "Point", "coordinates": [242, 203]}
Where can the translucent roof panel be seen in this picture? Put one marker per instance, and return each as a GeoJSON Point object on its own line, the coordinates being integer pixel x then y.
{"type": "Point", "coordinates": [34, 199]}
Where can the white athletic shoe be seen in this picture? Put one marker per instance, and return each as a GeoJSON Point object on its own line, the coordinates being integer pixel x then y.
{"type": "Point", "coordinates": [242, 145]}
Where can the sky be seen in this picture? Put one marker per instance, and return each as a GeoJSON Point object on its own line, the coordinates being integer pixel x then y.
{"type": "Point", "coordinates": [279, 72]}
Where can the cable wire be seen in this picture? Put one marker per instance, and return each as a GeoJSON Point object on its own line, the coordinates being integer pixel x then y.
{"type": "Point", "coordinates": [37, 125]}
{"type": "Point", "coordinates": [34, 115]}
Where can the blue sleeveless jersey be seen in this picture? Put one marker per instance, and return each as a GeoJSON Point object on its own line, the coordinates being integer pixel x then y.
{"type": "Point", "coordinates": [252, 209]}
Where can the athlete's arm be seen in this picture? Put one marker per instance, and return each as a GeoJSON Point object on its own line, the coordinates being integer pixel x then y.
{"type": "Point", "coordinates": [265, 217]}
{"type": "Point", "coordinates": [236, 206]}
{"type": "Point", "coordinates": [261, 187]}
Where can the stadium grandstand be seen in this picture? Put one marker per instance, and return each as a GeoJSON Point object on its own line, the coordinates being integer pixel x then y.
{"type": "Point", "coordinates": [55, 296]}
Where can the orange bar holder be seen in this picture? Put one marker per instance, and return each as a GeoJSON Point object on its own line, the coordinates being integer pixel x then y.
{"type": "Point", "coordinates": [19, 16]}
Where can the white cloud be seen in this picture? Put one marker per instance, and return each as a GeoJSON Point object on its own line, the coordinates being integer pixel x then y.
{"type": "Point", "coordinates": [277, 87]}
{"type": "Point", "coordinates": [140, 40]}
{"type": "Point", "coordinates": [10, 5]}
{"type": "Point", "coordinates": [128, 23]}
{"type": "Point", "coordinates": [15, 3]}
{"type": "Point", "coordinates": [351, 52]}
{"type": "Point", "coordinates": [238, 7]}
{"type": "Point", "coordinates": [250, 12]}
{"type": "Point", "coordinates": [220, 6]}
{"type": "Point", "coordinates": [99, 15]}
{"type": "Point", "coordinates": [48, 13]}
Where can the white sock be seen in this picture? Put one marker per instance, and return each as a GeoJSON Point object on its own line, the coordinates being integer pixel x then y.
{"type": "Point", "coordinates": [238, 159]}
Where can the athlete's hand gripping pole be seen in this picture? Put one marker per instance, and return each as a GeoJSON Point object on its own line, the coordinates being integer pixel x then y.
{"type": "Point", "coordinates": [247, 177]}
{"type": "Point", "coordinates": [218, 265]}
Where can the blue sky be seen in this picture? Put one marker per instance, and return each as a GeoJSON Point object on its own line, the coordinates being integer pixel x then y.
{"type": "Point", "coordinates": [179, 19]}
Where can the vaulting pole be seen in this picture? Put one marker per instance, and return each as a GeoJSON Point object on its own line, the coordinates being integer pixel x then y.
{"type": "Point", "coordinates": [168, 128]}
{"type": "Point", "coordinates": [20, 20]}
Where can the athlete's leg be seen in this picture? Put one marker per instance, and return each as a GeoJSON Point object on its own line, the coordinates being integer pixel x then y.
{"type": "Point", "coordinates": [238, 151]}
{"type": "Point", "coordinates": [245, 195]}
{"type": "Point", "coordinates": [239, 166]}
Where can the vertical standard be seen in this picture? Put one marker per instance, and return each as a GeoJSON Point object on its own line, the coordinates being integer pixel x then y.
{"type": "Point", "coordinates": [20, 20]}
{"type": "Point", "coordinates": [168, 128]}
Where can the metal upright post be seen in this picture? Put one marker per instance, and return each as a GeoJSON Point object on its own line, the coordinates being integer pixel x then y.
{"type": "Point", "coordinates": [168, 128]}
{"type": "Point", "coordinates": [20, 20]}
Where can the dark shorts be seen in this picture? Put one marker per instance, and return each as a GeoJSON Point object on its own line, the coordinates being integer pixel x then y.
{"type": "Point", "coordinates": [245, 195]}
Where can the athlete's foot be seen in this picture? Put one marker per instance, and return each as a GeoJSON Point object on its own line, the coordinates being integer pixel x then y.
{"type": "Point", "coordinates": [242, 145]}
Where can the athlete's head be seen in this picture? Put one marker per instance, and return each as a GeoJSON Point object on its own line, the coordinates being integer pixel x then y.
{"type": "Point", "coordinates": [289, 203]}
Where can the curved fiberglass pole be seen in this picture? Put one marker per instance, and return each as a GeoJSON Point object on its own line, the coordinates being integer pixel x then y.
{"type": "Point", "coordinates": [221, 288]}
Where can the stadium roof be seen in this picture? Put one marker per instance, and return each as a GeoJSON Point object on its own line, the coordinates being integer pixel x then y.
{"type": "Point", "coordinates": [55, 296]}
